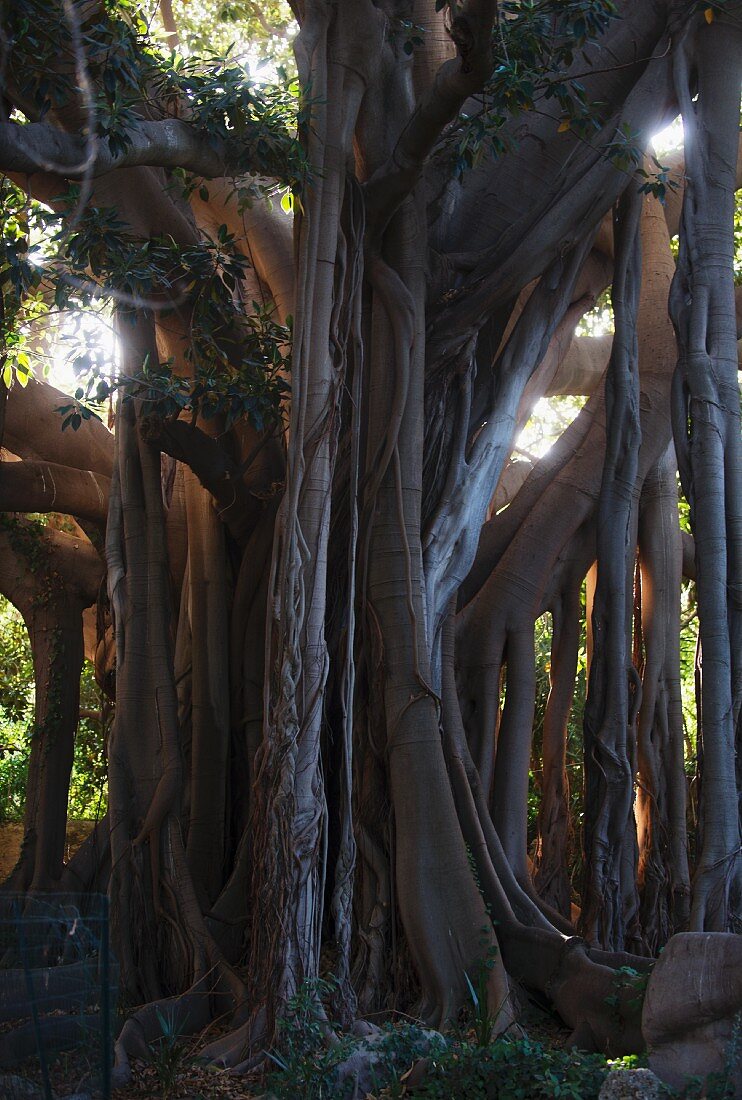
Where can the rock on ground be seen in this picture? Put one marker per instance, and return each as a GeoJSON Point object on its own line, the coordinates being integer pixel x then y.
{"type": "Point", "coordinates": [692, 1016]}
{"type": "Point", "coordinates": [630, 1084]}
{"type": "Point", "coordinates": [373, 1049]}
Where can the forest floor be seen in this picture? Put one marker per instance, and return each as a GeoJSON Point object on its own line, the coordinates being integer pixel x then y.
{"type": "Point", "coordinates": [70, 1079]}
{"type": "Point", "coordinates": [70, 1076]}
{"type": "Point", "coordinates": [173, 1074]}
{"type": "Point", "coordinates": [11, 836]}
{"type": "Point", "coordinates": [176, 1074]}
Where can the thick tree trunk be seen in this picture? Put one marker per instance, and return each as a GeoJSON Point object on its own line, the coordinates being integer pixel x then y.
{"type": "Point", "coordinates": [50, 578]}
{"type": "Point", "coordinates": [445, 921]}
{"type": "Point", "coordinates": [293, 680]}
{"type": "Point", "coordinates": [608, 907]}
{"type": "Point", "coordinates": [289, 814]}
{"type": "Point", "coordinates": [207, 599]}
{"type": "Point", "coordinates": [551, 877]}
{"type": "Point", "coordinates": [708, 448]}
{"type": "Point", "coordinates": [664, 882]}
{"type": "Point", "coordinates": [537, 551]}
{"type": "Point", "coordinates": [158, 929]}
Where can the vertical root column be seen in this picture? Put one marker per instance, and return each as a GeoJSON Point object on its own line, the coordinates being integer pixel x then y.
{"type": "Point", "coordinates": [610, 902]}
{"type": "Point", "coordinates": [707, 438]}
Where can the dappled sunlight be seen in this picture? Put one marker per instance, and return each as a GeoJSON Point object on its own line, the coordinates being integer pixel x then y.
{"type": "Point", "coordinates": [550, 417]}
{"type": "Point", "coordinates": [670, 139]}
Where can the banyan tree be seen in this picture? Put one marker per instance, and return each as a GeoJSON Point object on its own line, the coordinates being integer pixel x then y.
{"type": "Point", "coordinates": [285, 525]}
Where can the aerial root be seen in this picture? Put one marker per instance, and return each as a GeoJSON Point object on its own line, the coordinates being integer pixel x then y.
{"type": "Point", "coordinates": [242, 1049]}
{"type": "Point", "coordinates": [185, 1015]}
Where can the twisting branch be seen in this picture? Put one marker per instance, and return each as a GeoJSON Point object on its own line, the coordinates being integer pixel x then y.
{"type": "Point", "coordinates": [449, 544]}
{"type": "Point", "coordinates": [455, 81]}
{"type": "Point", "coordinates": [275, 32]}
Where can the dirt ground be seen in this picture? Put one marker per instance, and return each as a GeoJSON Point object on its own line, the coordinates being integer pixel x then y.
{"type": "Point", "coordinates": [11, 836]}
{"type": "Point", "coordinates": [69, 1076]}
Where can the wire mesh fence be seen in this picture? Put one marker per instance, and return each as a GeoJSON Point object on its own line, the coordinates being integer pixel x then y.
{"type": "Point", "coordinates": [58, 988]}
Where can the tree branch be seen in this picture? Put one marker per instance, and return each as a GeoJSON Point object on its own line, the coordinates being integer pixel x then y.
{"type": "Point", "coordinates": [33, 430]}
{"type": "Point", "coordinates": [168, 22]}
{"type": "Point", "coordinates": [169, 143]}
{"type": "Point", "coordinates": [236, 506]}
{"type": "Point", "coordinates": [47, 487]}
{"type": "Point", "coordinates": [455, 82]}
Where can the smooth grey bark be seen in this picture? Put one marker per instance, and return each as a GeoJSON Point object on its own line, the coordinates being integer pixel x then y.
{"type": "Point", "coordinates": [290, 813]}
{"type": "Point", "coordinates": [451, 536]}
{"type": "Point", "coordinates": [609, 907]}
{"type": "Point", "coordinates": [707, 438]}
{"type": "Point", "coordinates": [664, 879]}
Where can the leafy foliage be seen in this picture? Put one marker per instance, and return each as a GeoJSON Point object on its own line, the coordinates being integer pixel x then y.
{"type": "Point", "coordinates": [307, 1060]}
{"type": "Point", "coordinates": [128, 76]}
{"type": "Point", "coordinates": [117, 72]}
{"type": "Point", "coordinates": [484, 1020]}
{"type": "Point", "coordinates": [21, 299]}
{"type": "Point", "coordinates": [629, 989]}
{"type": "Point", "coordinates": [168, 1054]}
{"type": "Point", "coordinates": [534, 44]}
{"type": "Point", "coordinates": [261, 31]}
{"type": "Point", "coordinates": [514, 1069]}
{"type": "Point", "coordinates": [310, 1050]}
{"type": "Point", "coordinates": [87, 796]}
{"type": "Point", "coordinates": [239, 360]}
{"type": "Point", "coordinates": [305, 1063]}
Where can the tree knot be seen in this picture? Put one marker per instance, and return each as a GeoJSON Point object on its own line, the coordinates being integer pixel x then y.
{"type": "Point", "coordinates": [150, 427]}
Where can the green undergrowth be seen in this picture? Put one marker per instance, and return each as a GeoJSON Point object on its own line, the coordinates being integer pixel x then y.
{"type": "Point", "coordinates": [407, 1060]}
{"type": "Point", "coordinates": [516, 1069]}
{"type": "Point", "coordinates": [88, 781]}
{"type": "Point", "coordinates": [507, 1069]}
{"type": "Point", "coordinates": [309, 1055]}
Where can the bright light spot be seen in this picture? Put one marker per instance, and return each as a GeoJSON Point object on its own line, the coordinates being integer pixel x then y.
{"type": "Point", "coordinates": [670, 139]}
{"type": "Point", "coordinates": [598, 321]}
{"type": "Point", "coordinates": [260, 49]}
{"type": "Point", "coordinates": [549, 418]}
{"type": "Point", "coordinates": [80, 340]}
